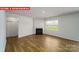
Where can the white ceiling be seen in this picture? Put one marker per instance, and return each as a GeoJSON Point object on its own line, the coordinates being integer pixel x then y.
{"type": "Point", "coordinates": [45, 11]}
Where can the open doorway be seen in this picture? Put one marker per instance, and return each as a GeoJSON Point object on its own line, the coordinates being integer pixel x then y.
{"type": "Point", "coordinates": [12, 27]}
{"type": "Point", "coordinates": [11, 31]}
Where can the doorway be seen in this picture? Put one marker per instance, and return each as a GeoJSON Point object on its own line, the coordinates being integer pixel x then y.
{"type": "Point", "coordinates": [12, 27]}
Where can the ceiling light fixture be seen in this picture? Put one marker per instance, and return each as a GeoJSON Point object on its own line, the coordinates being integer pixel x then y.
{"type": "Point", "coordinates": [43, 11]}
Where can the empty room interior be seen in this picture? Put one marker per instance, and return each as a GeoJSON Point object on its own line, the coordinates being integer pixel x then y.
{"type": "Point", "coordinates": [40, 29]}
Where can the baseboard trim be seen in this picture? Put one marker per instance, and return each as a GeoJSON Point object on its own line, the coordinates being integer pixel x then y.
{"type": "Point", "coordinates": [62, 38]}
{"type": "Point", "coordinates": [25, 36]}
{"type": "Point", "coordinates": [52, 36]}
{"type": "Point", "coordinates": [12, 36]}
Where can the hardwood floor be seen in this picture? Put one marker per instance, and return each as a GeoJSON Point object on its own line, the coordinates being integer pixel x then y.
{"type": "Point", "coordinates": [41, 43]}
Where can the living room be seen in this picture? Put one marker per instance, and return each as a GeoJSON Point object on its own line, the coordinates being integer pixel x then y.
{"type": "Point", "coordinates": [40, 29]}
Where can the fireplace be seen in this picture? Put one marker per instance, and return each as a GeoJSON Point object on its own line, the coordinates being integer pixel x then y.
{"type": "Point", "coordinates": [39, 31]}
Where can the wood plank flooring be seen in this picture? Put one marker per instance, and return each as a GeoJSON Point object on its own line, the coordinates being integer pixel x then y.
{"type": "Point", "coordinates": [41, 43]}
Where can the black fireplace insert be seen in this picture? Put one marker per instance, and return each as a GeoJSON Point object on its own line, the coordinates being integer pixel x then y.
{"type": "Point", "coordinates": [39, 31]}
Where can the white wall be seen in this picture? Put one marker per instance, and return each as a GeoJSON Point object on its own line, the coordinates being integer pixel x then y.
{"type": "Point", "coordinates": [2, 31]}
{"type": "Point", "coordinates": [12, 28]}
{"type": "Point", "coordinates": [38, 23]}
{"type": "Point", "coordinates": [25, 26]}
{"type": "Point", "coordinates": [68, 27]}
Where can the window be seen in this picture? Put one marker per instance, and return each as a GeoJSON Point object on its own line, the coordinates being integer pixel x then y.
{"type": "Point", "coordinates": [52, 25]}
